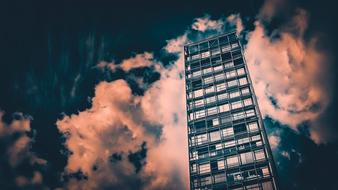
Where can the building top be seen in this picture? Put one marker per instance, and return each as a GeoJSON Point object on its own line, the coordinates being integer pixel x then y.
{"type": "Point", "coordinates": [210, 38]}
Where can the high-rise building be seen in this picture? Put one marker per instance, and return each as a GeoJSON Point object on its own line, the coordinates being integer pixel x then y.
{"type": "Point", "coordinates": [228, 145]}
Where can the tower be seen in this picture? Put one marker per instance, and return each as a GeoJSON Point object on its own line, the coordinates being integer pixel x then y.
{"type": "Point", "coordinates": [228, 145]}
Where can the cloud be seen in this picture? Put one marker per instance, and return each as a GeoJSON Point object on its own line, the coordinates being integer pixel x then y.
{"type": "Point", "coordinates": [205, 23]}
{"type": "Point", "coordinates": [235, 19]}
{"type": "Point", "coordinates": [22, 167]}
{"type": "Point", "coordinates": [287, 73]}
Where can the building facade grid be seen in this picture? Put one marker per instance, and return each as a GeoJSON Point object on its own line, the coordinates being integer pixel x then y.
{"type": "Point", "coordinates": [228, 145]}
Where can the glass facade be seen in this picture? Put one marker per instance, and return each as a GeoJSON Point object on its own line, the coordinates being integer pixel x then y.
{"type": "Point", "coordinates": [228, 146]}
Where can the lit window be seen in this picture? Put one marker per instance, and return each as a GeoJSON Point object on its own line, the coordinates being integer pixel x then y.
{"type": "Point", "coordinates": [220, 77]}
{"type": "Point", "coordinates": [199, 103]}
{"type": "Point", "coordinates": [243, 81]}
{"type": "Point", "coordinates": [256, 138]}
{"type": "Point", "coordinates": [207, 70]}
{"type": "Point", "coordinates": [215, 51]}
{"type": "Point", "coordinates": [247, 102]}
{"type": "Point", "coordinates": [219, 178]}
{"type": "Point", "coordinates": [199, 139]}
{"type": "Point", "coordinates": [189, 76]}
{"type": "Point", "coordinates": [226, 48]}
{"type": "Point", "coordinates": [188, 68]}
{"type": "Point", "coordinates": [259, 154]}
{"type": "Point", "coordinates": [196, 73]}
{"type": "Point", "coordinates": [220, 164]}
{"type": "Point", "coordinates": [223, 96]}
{"type": "Point", "coordinates": [253, 126]}
{"type": "Point", "coordinates": [218, 146]}
{"type": "Point", "coordinates": [215, 122]}
{"type": "Point", "coordinates": [228, 132]}
{"type": "Point", "coordinates": [204, 168]}
{"type": "Point", "coordinates": [247, 158]}
{"type": "Point", "coordinates": [215, 136]}
{"type": "Point", "coordinates": [232, 161]}
{"type": "Point", "coordinates": [220, 87]}
{"type": "Point", "coordinates": [194, 57]}
{"type": "Point", "coordinates": [194, 155]}
{"type": "Point", "coordinates": [218, 68]}
{"type": "Point", "coordinates": [232, 83]}
{"type": "Point", "coordinates": [224, 108]}
{"type": "Point", "coordinates": [240, 71]}
{"type": "Point", "coordinates": [198, 93]}
{"type": "Point", "coordinates": [250, 113]}
{"type": "Point", "coordinates": [243, 141]}
{"type": "Point", "coordinates": [228, 65]}
{"type": "Point", "coordinates": [206, 181]}
{"type": "Point", "coordinates": [210, 89]}
{"type": "Point", "coordinates": [190, 95]}
{"type": "Point", "coordinates": [235, 45]}
{"type": "Point", "coordinates": [211, 99]}
{"type": "Point", "coordinates": [199, 114]}
{"type": "Point", "coordinates": [239, 115]}
{"type": "Point", "coordinates": [193, 168]}
{"type": "Point", "coordinates": [208, 80]}
{"type": "Point", "coordinates": [234, 94]}
{"type": "Point", "coordinates": [236, 105]}
{"type": "Point", "coordinates": [245, 91]}
{"type": "Point", "coordinates": [205, 54]}
{"type": "Point", "coordinates": [230, 74]}
{"type": "Point", "coordinates": [229, 144]}
{"type": "Point", "coordinates": [265, 171]}
{"type": "Point", "coordinates": [212, 111]}
{"type": "Point", "coordinates": [267, 186]}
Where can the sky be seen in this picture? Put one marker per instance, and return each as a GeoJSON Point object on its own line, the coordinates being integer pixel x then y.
{"type": "Point", "coordinates": [92, 92]}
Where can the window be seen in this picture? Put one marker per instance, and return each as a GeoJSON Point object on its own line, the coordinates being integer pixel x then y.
{"type": "Point", "coordinates": [220, 87]}
{"type": "Point", "coordinates": [243, 81]}
{"type": "Point", "coordinates": [218, 68]}
{"type": "Point", "coordinates": [199, 114]}
{"type": "Point", "coordinates": [210, 89]}
{"type": "Point", "coordinates": [211, 99]}
{"type": "Point", "coordinates": [206, 181]}
{"type": "Point", "coordinates": [243, 141]}
{"type": "Point", "coordinates": [228, 65]}
{"type": "Point", "coordinates": [208, 80]}
{"type": "Point", "coordinates": [234, 45]}
{"type": "Point", "coordinates": [256, 138]}
{"type": "Point", "coordinates": [232, 161]}
{"type": "Point", "coordinates": [232, 83]}
{"type": "Point", "coordinates": [194, 155]}
{"type": "Point", "coordinates": [204, 168]}
{"type": "Point", "coordinates": [215, 136]}
{"type": "Point", "coordinates": [236, 105]}
{"type": "Point", "coordinates": [212, 111]}
{"type": "Point", "coordinates": [229, 144]}
{"type": "Point", "coordinates": [265, 171]}
{"type": "Point", "coordinates": [240, 128]}
{"type": "Point", "coordinates": [215, 60]}
{"type": "Point", "coordinates": [267, 185]}
{"type": "Point", "coordinates": [224, 108]}
{"type": "Point", "coordinates": [198, 93]}
{"type": "Point", "coordinates": [207, 70]}
{"type": "Point", "coordinates": [239, 115]}
{"type": "Point", "coordinates": [253, 126]}
{"type": "Point", "coordinates": [240, 71]}
{"type": "Point", "coordinates": [215, 51]}
{"type": "Point", "coordinates": [226, 48]}
{"type": "Point", "coordinates": [220, 77]}
{"type": "Point", "coordinates": [231, 74]}
{"type": "Point", "coordinates": [234, 94]}
{"type": "Point", "coordinates": [228, 132]}
{"type": "Point", "coordinates": [247, 102]}
{"type": "Point", "coordinates": [196, 73]}
{"type": "Point", "coordinates": [205, 54]}
{"type": "Point", "coordinates": [218, 146]}
{"type": "Point", "coordinates": [259, 154]}
{"type": "Point", "coordinates": [199, 139]}
{"type": "Point", "coordinates": [245, 91]}
{"type": "Point", "coordinates": [223, 96]}
{"type": "Point", "coordinates": [194, 57]}
{"type": "Point", "coordinates": [219, 178]}
{"type": "Point", "coordinates": [193, 168]}
{"type": "Point", "coordinates": [215, 122]}
{"type": "Point", "coordinates": [250, 113]}
{"type": "Point", "coordinates": [199, 103]}
{"type": "Point", "coordinates": [246, 158]}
